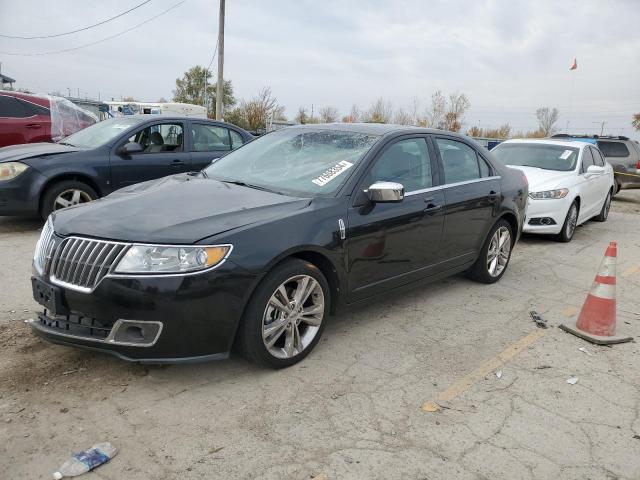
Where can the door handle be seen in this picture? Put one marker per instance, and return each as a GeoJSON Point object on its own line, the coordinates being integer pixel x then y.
{"type": "Point", "coordinates": [33, 125]}
{"type": "Point", "coordinates": [178, 163]}
{"type": "Point", "coordinates": [493, 195]}
{"type": "Point", "coordinates": [432, 207]}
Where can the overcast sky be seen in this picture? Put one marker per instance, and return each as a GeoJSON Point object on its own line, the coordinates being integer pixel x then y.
{"type": "Point", "coordinates": [509, 57]}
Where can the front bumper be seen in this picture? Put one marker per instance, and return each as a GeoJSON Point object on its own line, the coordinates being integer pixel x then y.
{"type": "Point", "coordinates": [553, 209]}
{"type": "Point", "coordinates": [21, 196]}
{"type": "Point", "coordinates": [152, 319]}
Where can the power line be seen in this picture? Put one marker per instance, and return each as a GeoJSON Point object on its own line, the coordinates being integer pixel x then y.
{"type": "Point", "coordinates": [78, 30]}
{"type": "Point", "coordinates": [98, 41]}
{"type": "Point", "coordinates": [215, 50]}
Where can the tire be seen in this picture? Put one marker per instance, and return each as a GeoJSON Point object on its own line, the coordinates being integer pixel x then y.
{"type": "Point", "coordinates": [617, 187]}
{"type": "Point", "coordinates": [72, 191]}
{"type": "Point", "coordinates": [264, 323]}
{"type": "Point", "coordinates": [494, 258]}
{"type": "Point", "coordinates": [569, 225]}
{"type": "Point", "coordinates": [606, 206]}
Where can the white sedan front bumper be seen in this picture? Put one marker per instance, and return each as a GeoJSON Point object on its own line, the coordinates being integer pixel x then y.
{"type": "Point", "coordinates": [546, 216]}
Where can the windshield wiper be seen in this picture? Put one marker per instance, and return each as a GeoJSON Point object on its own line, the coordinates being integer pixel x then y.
{"type": "Point", "coordinates": [257, 187]}
{"type": "Point", "coordinates": [66, 143]}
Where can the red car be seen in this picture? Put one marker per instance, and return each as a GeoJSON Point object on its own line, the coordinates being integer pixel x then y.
{"type": "Point", "coordinates": [26, 118]}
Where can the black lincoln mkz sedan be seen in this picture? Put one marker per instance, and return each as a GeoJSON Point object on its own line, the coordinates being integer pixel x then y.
{"type": "Point", "coordinates": [257, 249]}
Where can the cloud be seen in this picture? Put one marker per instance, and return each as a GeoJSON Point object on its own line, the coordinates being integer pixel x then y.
{"type": "Point", "coordinates": [508, 56]}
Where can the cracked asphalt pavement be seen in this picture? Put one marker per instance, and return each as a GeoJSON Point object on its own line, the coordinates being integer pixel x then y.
{"type": "Point", "coordinates": [353, 408]}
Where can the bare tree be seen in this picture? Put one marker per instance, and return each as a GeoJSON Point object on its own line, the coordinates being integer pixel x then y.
{"type": "Point", "coordinates": [302, 115]}
{"type": "Point", "coordinates": [636, 121]}
{"type": "Point", "coordinates": [547, 119]}
{"type": "Point", "coordinates": [401, 117]}
{"type": "Point", "coordinates": [328, 115]}
{"type": "Point", "coordinates": [458, 105]}
{"type": "Point", "coordinates": [435, 113]}
{"type": "Point", "coordinates": [380, 112]}
{"type": "Point", "coordinates": [256, 113]}
{"type": "Point", "coordinates": [354, 115]}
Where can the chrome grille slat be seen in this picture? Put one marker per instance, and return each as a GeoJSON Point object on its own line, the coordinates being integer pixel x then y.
{"type": "Point", "coordinates": [43, 246]}
{"type": "Point", "coordinates": [81, 263]}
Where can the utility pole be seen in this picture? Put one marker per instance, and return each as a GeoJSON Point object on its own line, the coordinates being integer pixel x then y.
{"type": "Point", "coordinates": [602, 124]}
{"type": "Point", "coordinates": [220, 86]}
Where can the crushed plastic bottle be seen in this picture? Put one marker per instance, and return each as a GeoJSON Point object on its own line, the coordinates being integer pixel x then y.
{"type": "Point", "coordinates": [87, 460]}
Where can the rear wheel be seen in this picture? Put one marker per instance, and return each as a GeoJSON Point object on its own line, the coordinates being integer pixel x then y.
{"type": "Point", "coordinates": [285, 317]}
{"type": "Point", "coordinates": [495, 254]}
{"type": "Point", "coordinates": [569, 225]}
{"type": "Point", "coordinates": [66, 194]}
{"type": "Point", "coordinates": [604, 213]}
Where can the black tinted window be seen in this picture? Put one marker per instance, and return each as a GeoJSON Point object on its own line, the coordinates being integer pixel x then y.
{"type": "Point", "coordinates": [34, 109]}
{"type": "Point", "coordinates": [406, 162]}
{"type": "Point", "coordinates": [11, 107]}
{"type": "Point", "coordinates": [597, 157]}
{"type": "Point", "coordinates": [587, 159]}
{"type": "Point", "coordinates": [459, 160]}
{"type": "Point", "coordinates": [613, 149]}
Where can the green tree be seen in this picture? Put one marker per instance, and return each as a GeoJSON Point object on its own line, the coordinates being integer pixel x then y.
{"type": "Point", "coordinates": [191, 89]}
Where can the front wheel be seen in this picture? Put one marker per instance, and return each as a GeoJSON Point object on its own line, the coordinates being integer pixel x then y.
{"type": "Point", "coordinates": [495, 254]}
{"type": "Point", "coordinates": [66, 194]}
{"type": "Point", "coordinates": [285, 317]}
{"type": "Point", "coordinates": [569, 225]}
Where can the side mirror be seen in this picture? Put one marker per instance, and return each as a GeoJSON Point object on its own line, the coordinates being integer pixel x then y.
{"type": "Point", "coordinates": [595, 170]}
{"type": "Point", "coordinates": [385, 192]}
{"type": "Point", "coordinates": [131, 147]}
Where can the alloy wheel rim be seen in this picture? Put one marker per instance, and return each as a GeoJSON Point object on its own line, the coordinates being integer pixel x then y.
{"type": "Point", "coordinates": [70, 197]}
{"type": "Point", "coordinates": [293, 316]}
{"type": "Point", "coordinates": [499, 250]}
{"type": "Point", "coordinates": [573, 219]}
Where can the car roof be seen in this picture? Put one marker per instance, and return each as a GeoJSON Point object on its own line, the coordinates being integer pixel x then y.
{"type": "Point", "coordinates": [548, 141]}
{"type": "Point", "coordinates": [374, 128]}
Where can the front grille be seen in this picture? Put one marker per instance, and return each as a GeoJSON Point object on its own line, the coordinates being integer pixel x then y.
{"type": "Point", "coordinates": [44, 246]}
{"type": "Point", "coordinates": [77, 325]}
{"type": "Point", "coordinates": [82, 262]}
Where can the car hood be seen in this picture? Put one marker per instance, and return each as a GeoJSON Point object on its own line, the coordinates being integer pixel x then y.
{"type": "Point", "coordinates": [540, 179]}
{"type": "Point", "coordinates": [13, 153]}
{"type": "Point", "coordinates": [180, 209]}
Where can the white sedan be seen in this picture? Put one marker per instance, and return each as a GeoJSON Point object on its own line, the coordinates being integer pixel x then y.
{"type": "Point", "coordinates": [570, 182]}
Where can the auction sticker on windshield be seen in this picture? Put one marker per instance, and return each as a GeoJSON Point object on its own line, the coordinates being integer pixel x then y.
{"type": "Point", "coordinates": [332, 173]}
{"type": "Point", "coordinates": [566, 154]}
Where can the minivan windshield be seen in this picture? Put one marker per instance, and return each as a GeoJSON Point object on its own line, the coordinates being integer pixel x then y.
{"type": "Point", "coordinates": [100, 133]}
{"type": "Point", "coordinates": [302, 162]}
{"type": "Point", "coordinates": [539, 155]}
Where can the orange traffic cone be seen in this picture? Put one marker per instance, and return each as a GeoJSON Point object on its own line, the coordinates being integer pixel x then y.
{"type": "Point", "coordinates": [597, 320]}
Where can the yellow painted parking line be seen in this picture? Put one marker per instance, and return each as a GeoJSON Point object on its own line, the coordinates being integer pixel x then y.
{"type": "Point", "coordinates": [570, 311]}
{"type": "Point", "coordinates": [462, 385]}
{"type": "Point", "coordinates": [631, 270]}
{"type": "Point", "coordinates": [628, 174]}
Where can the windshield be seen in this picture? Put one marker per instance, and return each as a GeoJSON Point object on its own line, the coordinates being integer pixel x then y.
{"type": "Point", "coordinates": [296, 161]}
{"type": "Point", "coordinates": [546, 156]}
{"type": "Point", "coordinates": [100, 133]}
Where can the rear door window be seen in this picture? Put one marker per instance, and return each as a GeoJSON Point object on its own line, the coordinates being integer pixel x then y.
{"type": "Point", "coordinates": [613, 149]}
{"type": "Point", "coordinates": [208, 138]}
{"type": "Point", "coordinates": [10, 107]}
{"type": "Point", "coordinates": [459, 160]}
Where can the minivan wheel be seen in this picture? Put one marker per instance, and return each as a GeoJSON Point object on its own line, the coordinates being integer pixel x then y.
{"type": "Point", "coordinates": [604, 213]}
{"type": "Point", "coordinates": [285, 317]}
{"type": "Point", "coordinates": [66, 194]}
{"type": "Point", "coordinates": [569, 225]}
{"type": "Point", "coordinates": [495, 254]}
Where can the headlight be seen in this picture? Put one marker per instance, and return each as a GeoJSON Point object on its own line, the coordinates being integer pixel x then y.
{"type": "Point", "coordinates": [10, 170]}
{"type": "Point", "coordinates": [549, 194]}
{"type": "Point", "coordinates": [171, 259]}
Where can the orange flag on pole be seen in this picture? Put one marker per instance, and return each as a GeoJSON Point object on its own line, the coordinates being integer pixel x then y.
{"type": "Point", "coordinates": [574, 65]}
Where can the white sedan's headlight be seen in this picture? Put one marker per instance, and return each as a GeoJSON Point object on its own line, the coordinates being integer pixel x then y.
{"type": "Point", "coordinates": [171, 259]}
{"type": "Point", "coordinates": [549, 194]}
{"type": "Point", "coordinates": [10, 170]}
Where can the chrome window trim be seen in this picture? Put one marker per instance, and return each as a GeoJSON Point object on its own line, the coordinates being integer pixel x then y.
{"type": "Point", "coordinates": [447, 185]}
